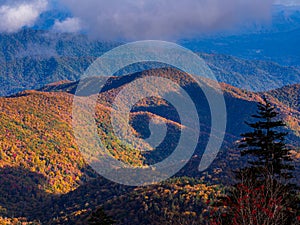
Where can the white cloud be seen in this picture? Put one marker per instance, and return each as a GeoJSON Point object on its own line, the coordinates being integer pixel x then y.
{"type": "Point", "coordinates": [69, 25]}
{"type": "Point", "coordinates": [164, 19]}
{"type": "Point", "coordinates": [16, 14]}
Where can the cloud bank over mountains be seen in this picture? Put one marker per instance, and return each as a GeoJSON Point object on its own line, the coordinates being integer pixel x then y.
{"type": "Point", "coordinates": [164, 19]}
{"type": "Point", "coordinates": [138, 19]}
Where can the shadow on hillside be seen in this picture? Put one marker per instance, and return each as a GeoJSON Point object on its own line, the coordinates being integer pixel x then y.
{"type": "Point", "coordinates": [21, 193]}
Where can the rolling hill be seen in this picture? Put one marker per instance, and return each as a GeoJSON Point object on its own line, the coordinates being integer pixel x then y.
{"type": "Point", "coordinates": [45, 178]}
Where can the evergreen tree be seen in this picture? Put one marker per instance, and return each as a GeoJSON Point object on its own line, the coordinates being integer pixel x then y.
{"type": "Point", "coordinates": [265, 145]}
{"type": "Point", "coordinates": [261, 196]}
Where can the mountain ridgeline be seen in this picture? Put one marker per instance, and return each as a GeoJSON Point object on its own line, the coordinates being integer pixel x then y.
{"type": "Point", "coordinates": [31, 59]}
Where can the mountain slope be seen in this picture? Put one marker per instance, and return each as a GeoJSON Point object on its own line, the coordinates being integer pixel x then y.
{"type": "Point", "coordinates": [251, 75]}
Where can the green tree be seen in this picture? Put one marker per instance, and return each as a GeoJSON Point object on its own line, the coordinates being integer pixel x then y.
{"type": "Point", "coordinates": [263, 193]}
{"type": "Point", "coordinates": [265, 145]}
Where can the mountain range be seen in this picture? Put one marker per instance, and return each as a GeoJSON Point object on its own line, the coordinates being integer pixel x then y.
{"type": "Point", "coordinates": [45, 178]}
{"type": "Point", "coordinates": [52, 183]}
{"type": "Point", "coordinates": [31, 59]}
{"type": "Point", "coordinates": [275, 41]}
